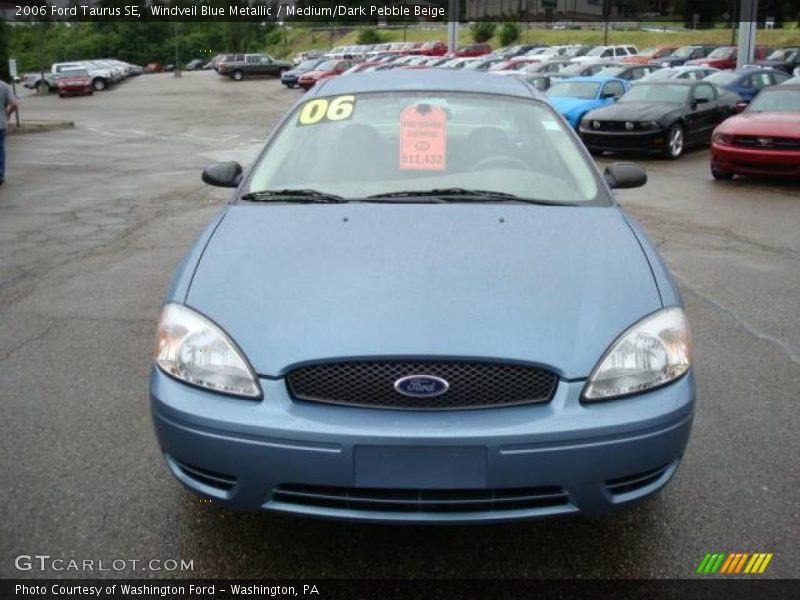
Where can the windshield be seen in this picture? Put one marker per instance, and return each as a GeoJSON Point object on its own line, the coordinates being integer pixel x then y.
{"type": "Point", "coordinates": [596, 51]}
{"type": "Point", "coordinates": [381, 143]}
{"type": "Point", "coordinates": [721, 53]}
{"type": "Point", "coordinates": [611, 71]}
{"type": "Point", "coordinates": [642, 92]}
{"type": "Point", "coordinates": [776, 100]}
{"type": "Point", "coordinates": [723, 78]}
{"type": "Point", "coordinates": [327, 65]}
{"type": "Point", "coordinates": [662, 74]}
{"type": "Point", "coordinates": [575, 89]}
{"type": "Point", "coordinates": [309, 64]}
{"type": "Point", "coordinates": [683, 52]}
{"type": "Point", "coordinates": [784, 54]}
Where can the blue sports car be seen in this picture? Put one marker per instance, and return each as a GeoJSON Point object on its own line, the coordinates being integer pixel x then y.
{"type": "Point", "coordinates": [448, 319]}
{"type": "Point", "coordinates": [576, 96]}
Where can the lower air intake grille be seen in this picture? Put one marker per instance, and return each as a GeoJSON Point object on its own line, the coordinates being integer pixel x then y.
{"type": "Point", "coordinates": [632, 483]}
{"type": "Point", "coordinates": [471, 384]}
{"type": "Point", "coordinates": [209, 478]}
{"type": "Point", "coordinates": [420, 501]}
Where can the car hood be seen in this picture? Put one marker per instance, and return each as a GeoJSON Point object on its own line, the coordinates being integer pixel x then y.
{"type": "Point", "coordinates": [776, 124]}
{"type": "Point", "coordinates": [546, 285]}
{"type": "Point", "coordinates": [635, 111]}
{"type": "Point", "coordinates": [565, 104]}
{"type": "Point", "coordinates": [315, 74]}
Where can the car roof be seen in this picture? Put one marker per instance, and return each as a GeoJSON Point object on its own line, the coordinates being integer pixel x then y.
{"type": "Point", "coordinates": [595, 79]}
{"type": "Point", "coordinates": [423, 80]}
{"type": "Point", "coordinates": [686, 82]}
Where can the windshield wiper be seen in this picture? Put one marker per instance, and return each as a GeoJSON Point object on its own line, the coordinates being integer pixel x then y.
{"type": "Point", "coordinates": [454, 194]}
{"type": "Point", "coordinates": [306, 196]}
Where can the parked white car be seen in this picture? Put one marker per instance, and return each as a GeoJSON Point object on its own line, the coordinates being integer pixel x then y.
{"type": "Point", "coordinates": [599, 53]}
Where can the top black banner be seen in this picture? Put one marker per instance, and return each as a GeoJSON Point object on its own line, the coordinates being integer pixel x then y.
{"type": "Point", "coordinates": [560, 14]}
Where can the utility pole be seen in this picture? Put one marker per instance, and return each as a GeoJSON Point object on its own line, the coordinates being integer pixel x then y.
{"type": "Point", "coordinates": [748, 15]}
{"type": "Point", "coordinates": [452, 26]}
{"type": "Point", "coordinates": [177, 50]}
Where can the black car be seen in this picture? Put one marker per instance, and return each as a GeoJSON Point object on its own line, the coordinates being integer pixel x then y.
{"type": "Point", "coordinates": [629, 72]}
{"type": "Point", "coordinates": [518, 50]}
{"type": "Point", "coordinates": [783, 59]}
{"type": "Point", "coordinates": [658, 117]}
{"type": "Point", "coordinates": [290, 78]}
{"type": "Point", "coordinates": [680, 55]}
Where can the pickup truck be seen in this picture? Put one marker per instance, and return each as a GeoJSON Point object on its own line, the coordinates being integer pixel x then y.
{"type": "Point", "coordinates": [239, 66]}
{"type": "Point", "coordinates": [101, 76]}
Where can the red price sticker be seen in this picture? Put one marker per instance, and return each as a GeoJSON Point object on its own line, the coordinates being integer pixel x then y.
{"type": "Point", "coordinates": [423, 138]}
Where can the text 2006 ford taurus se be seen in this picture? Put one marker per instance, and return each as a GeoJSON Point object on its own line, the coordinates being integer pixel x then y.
{"type": "Point", "coordinates": [423, 304]}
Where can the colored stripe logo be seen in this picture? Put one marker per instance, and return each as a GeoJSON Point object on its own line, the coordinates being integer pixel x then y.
{"type": "Point", "coordinates": [734, 563]}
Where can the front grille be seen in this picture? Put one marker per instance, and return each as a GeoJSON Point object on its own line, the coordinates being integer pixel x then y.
{"type": "Point", "coordinates": [420, 501]}
{"type": "Point", "coordinates": [210, 478]}
{"type": "Point", "coordinates": [767, 142]}
{"type": "Point", "coordinates": [471, 384]}
{"type": "Point", "coordinates": [766, 167]}
{"type": "Point", "coordinates": [625, 485]}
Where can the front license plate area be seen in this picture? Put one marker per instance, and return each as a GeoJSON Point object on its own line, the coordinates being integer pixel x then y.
{"type": "Point", "coordinates": [422, 467]}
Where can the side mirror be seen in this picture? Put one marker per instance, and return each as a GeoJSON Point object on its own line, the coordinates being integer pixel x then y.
{"type": "Point", "coordinates": [697, 101]}
{"type": "Point", "coordinates": [223, 174]}
{"type": "Point", "coordinates": [625, 175]}
{"type": "Point", "coordinates": [740, 106]}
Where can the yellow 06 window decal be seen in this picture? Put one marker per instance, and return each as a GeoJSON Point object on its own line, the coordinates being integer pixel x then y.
{"type": "Point", "coordinates": [321, 109]}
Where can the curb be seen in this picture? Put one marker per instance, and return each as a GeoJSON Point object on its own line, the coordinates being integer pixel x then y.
{"type": "Point", "coordinates": [38, 126]}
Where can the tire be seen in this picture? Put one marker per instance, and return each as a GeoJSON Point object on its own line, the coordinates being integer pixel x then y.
{"type": "Point", "coordinates": [290, 85]}
{"type": "Point", "coordinates": [237, 75]}
{"type": "Point", "coordinates": [675, 143]}
{"type": "Point", "coordinates": [99, 84]}
{"type": "Point", "coordinates": [721, 175]}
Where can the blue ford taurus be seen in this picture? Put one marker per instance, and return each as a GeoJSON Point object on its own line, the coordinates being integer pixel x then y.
{"type": "Point", "coordinates": [423, 304]}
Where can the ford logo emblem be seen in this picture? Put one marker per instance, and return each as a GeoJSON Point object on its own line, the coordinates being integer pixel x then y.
{"type": "Point", "coordinates": [421, 386]}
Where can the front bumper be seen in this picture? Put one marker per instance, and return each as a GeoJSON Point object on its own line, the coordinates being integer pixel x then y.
{"type": "Point", "coordinates": [412, 466]}
{"type": "Point", "coordinates": [617, 141]}
{"type": "Point", "coordinates": [753, 161]}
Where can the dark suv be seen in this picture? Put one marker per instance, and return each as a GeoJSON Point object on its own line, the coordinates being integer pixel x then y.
{"type": "Point", "coordinates": [239, 66]}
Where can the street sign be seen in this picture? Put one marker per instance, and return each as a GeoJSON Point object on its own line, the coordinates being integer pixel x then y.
{"type": "Point", "coordinates": [12, 67]}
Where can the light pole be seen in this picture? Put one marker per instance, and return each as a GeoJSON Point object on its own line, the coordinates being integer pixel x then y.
{"type": "Point", "coordinates": [177, 50]}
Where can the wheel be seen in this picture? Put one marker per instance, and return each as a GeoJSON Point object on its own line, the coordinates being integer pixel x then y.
{"type": "Point", "coordinates": [721, 175]}
{"type": "Point", "coordinates": [675, 142]}
{"type": "Point", "coordinates": [290, 85]}
{"type": "Point", "coordinates": [99, 84]}
{"type": "Point", "coordinates": [43, 87]}
{"type": "Point", "coordinates": [237, 75]}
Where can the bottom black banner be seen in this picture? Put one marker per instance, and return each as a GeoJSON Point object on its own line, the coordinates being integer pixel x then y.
{"type": "Point", "coordinates": [385, 589]}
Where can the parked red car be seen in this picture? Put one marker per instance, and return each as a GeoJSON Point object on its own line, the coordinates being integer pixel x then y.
{"type": "Point", "coordinates": [72, 82]}
{"type": "Point", "coordinates": [153, 67]}
{"type": "Point", "coordinates": [763, 140]}
{"type": "Point", "coordinates": [724, 57]}
{"type": "Point", "coordinates": [648, 55]}
{"type": "Point", "coordinates": [330, 68]}
{"type": "Point", "coordinates": [431, 49]}
{"type": "Point", "coordinates": [472, 50]}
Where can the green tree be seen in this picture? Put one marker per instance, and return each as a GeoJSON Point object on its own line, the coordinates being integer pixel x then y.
{"type": "Point", "coordinates": [509, 32]}
{"type": "Point", "coordinates": [368, 36]}
{"type": "Point", "coordinates": [482, 31]}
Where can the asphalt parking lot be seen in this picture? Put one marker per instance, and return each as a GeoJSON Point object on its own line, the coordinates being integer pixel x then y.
{"type": "Point", "coordinates": [94, 219]}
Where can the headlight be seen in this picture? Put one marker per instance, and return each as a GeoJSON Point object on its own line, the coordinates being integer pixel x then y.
{"type": "Point", "coordinates": [722, 138]}
{"type": "Point", "coordinates": [655, 351]}
{"type": "Point", "coordinates": [195, 350]}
